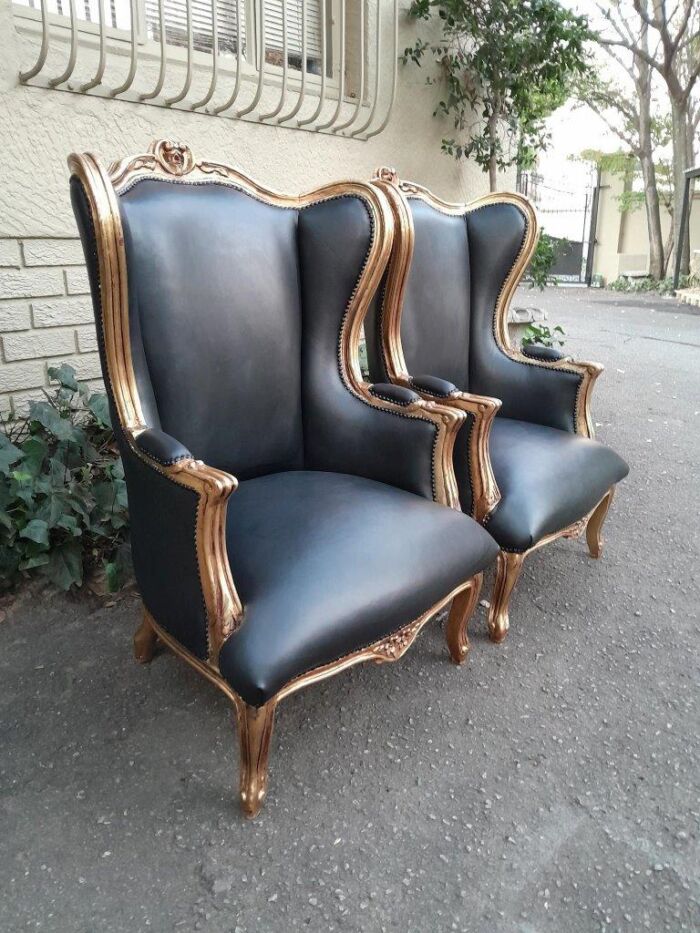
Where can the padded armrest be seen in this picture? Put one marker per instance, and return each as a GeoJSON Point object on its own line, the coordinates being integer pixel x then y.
{"type": "Point", "coordinates": [537, 351]}
{"type": "Point", "coordinates": [392, 393]}
{"type": "Point", "coordinates": [162, 447]}
{"type": "Point", "coordinates": [440, 388]}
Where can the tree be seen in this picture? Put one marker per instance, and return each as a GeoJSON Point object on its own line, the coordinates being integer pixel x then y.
{"type": "Point", "coordinates": [675, 57]}
{"type": "Point", "coordinates": [508, 64]}
{"type": "Point", "coordinates": [627, 111]}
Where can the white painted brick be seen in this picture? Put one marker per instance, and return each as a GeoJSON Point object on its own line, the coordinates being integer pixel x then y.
{"type": "Point", "coordinates": [53, 253]}
{"type": "Point", "coordinates": [14, 377]}
{"type": "Point", "coordinates": [30, 283]}
{"type": "Point", "coordinates": [14, 315]}
{"type": "Point", "coordinates": [59, 312]}
{"type": "Point", "coordinates": [9, 253]}
{"type": "Point", "coordinates": [87, 339]}
{"type": "Point", "coordinates": [77, 281]}
{"type": "Point", "coordinates": [34, 344]}
{"type": "Point", "coordinates": [21, 400]}
{"type": "Point", "coordinates": [86, 366]}
{"type": "Point", "coordinates": [5, 404]}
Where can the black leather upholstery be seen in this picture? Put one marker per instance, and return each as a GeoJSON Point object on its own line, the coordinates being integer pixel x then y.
{"type": "Point", "coordinates": [538, 351]}
{"type": "Point", "coordinates": [393, 393]}
{"type": "Point", "coordinates": [327, 563]}
{"type": "Point", "coordinates": [214, 286]}
{"type": "Point", "coordinates": [548, 479]}
{"type": "Point", "coordinates": [161, 446]}
{"type": "Point", "coordinates": [441, 388]}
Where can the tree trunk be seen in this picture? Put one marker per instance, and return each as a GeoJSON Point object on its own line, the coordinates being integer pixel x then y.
{"type": "Point", "coordinates": [680, 139]}
{"type": "Point", "coordinates": [646, 159]}
{"type": "Point", "coordinates": [493, 152]}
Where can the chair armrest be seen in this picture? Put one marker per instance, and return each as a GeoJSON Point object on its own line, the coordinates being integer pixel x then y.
{"type": "Point", "coordinates": [479, 493]}
{"type": "Point", "coordinates": [538, 351]}
{"type": "Point", "coordinates": [161, 447]}
{"type": "Point", "coordinates": [389, 392]}
{"type": "Point", "coordinates": [178, 523]}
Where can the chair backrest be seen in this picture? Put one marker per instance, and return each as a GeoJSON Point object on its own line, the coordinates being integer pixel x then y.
{"type": "Point", "coordinates": [454, 301]}
{"type": "Point", "coordinates": [230, 289]}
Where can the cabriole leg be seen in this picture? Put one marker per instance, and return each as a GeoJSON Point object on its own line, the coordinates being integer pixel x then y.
{"type": "Point", "coordinates": [594, 528]}
{"type": "Point", "coordinates": [254, 734]}
{"type": "Point", "coordinates": [458, 620]}
{"type": "Point", "coordinates": [145, 641]}
{"type": "Point", "coordinates": [508, 567]}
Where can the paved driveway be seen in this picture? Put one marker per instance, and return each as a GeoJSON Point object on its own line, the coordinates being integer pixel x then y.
{"type": "Point", "coordinates": [550, 784]}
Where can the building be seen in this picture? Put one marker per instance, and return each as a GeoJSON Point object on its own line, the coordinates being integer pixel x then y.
{"type": "Point", "coordinates": [113, 76]}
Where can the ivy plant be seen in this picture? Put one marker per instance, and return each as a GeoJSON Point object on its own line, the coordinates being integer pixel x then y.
{"type": "Point", "coordinates": [543, 335]}
{"type": "Point", "coordinates": [63, 504]}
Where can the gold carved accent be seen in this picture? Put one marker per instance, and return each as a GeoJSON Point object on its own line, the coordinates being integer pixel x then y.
{"type": "Point", "coordinates": [175, 157]}
{"type": "Point", "coordinates": [458, 620]}
{"type": "Point", "coordinates": [145, 641]}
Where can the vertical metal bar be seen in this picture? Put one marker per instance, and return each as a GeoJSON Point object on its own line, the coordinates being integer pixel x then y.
{"type": "Point", "coordinates": [214, 58]}
{"type": "Point", "coordinates": [594, 228]}
{"type": "Point", "coordinates": [377, 72]}
{"type": "Point", "coordinates": [341, 74]}
{"type": "Point", "coordinates": [73, 50]}
{"type": "Point", "coordinates": [285, 66]}
{"type": "Point", "coordinates": [99, 73]}
{"type": "Point", "coordinates": [188, 75]}
{"type": "Point", "coordinates": [302, 87]}
{"type": "Point", "coordinates": [133, 9]}
{"type": "Point", "coordinates": [44, 48]}
{"type": "Point", "coordinates": [382, 126]}
{"type": "Point", "coordinates": [324, 69]}
{"type": "Point", "coordinates": [261, 63]}
{"type": "Point", "coordinates": [163, 57]}
{"type": "Point", "coordinates": [681, 231]}
{"type": "Point", "coordinates": [361, 92]}
{"type": "Point", "coordinates": [239, 58]}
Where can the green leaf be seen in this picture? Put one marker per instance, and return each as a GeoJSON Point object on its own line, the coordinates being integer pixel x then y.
{"type": "Point", "coordinates": [39, 560]}
{"type": "Point", "coordinates": [46, 415]}
{"type": "Point", "coordinates": [9, 454]}
{"type": "Point", "coordinates": [65, 375]}
{"type": "Point", "coordinates": [35, 451]}
{"type": "Point", "coordinates": [36, 530]}
{"type": "Point", "coordinates": [99, 406]}
{"type": "Point", "coordinates": [65, 566]}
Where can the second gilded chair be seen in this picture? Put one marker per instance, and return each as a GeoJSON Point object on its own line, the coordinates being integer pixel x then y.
{"type": "Point", "coordinates": [527, 465]}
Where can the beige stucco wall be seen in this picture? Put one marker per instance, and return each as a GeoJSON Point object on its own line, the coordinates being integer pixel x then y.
{"type": "Point", "coordinates": [622, 242]}
{"type": "Point", "coordinates": [44, 307]}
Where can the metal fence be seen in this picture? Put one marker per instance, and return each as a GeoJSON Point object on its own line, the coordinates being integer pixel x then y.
{"type": "Point", "coordinates": [284, 62]}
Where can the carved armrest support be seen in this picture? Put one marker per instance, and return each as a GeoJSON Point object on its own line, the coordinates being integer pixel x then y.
{"type": "Point", "coordinates": [403, 400]}
{"type": "Point", "coordinates": [213, 487]}
{"type": "Point", "coordinates": [482, 409]}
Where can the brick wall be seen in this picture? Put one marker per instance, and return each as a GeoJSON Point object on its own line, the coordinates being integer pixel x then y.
{"type": "Point", "coordinates": [45, 317]}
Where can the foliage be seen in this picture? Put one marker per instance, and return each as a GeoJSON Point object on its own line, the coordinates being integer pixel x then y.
{"type": "Point", "coordinates": [508, 65]}
{"type": "Point", "coordinates": [543, 335]}
{"type": "Point", "coordinates": [654, 286]}
{"type": "Point", "coordinates": [540, 268]}
{"type": "Point", "coordinates": [63, 505]}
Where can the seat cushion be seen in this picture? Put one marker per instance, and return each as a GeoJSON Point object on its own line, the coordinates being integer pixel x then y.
{"type": "Point", "coordinates": [548, 479]}
{"type": "Point", "coordinates": [327, 563]}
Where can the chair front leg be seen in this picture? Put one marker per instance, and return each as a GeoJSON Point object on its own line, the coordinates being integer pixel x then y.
{"type": "Point", "coordinates": [254, 734]}
{"type": "Point", "coordinates": [458, 620]}
{"type": "Point", "coordinates": [508, 568]}
{"type": "Point", "coordinates": [594, 527]}
{"type": "Point", "coordinates": [145, 640]}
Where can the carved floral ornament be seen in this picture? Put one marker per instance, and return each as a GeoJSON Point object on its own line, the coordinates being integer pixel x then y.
{"type": "Point", "coordinates": [175, 157]}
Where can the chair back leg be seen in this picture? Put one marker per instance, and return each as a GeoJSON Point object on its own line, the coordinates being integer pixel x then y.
{"type": "Point", "coordinates": [145, 640]}
{"type": "Point", "coordinates": [594, 528]}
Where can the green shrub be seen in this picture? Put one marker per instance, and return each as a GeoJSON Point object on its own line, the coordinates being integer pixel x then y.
{"type": "Point", "coordinates": [539, 272]}
{"type": "Point", "coordinates": [654, 286]}
{"type": "Point", "coordinates": [543, 335]}
{"type": "Point", "coordinates": [63, 505]}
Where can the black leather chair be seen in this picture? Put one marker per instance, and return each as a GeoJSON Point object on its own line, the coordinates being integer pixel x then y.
{"type": "Point", "coordinates": [229, 320]}
{"type": "Point", "coordinates": [526, 462]}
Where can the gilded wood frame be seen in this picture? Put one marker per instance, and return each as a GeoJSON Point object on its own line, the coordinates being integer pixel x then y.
{"type": "Point", "coordinates": [175, 162]}
{"type": "Point", "coordinates": [485, 492]}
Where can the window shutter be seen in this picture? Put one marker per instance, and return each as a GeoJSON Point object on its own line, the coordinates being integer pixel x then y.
{"type": "Point", "coordinates": [175, 18]}
{"type": "Point", "coordinates": [274, 19]}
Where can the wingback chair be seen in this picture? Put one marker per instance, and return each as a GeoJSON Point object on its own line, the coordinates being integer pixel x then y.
{"type": "Point", "coordinates": [526, 462]}
{"type": "Point", "coordinates": [228, 322]}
